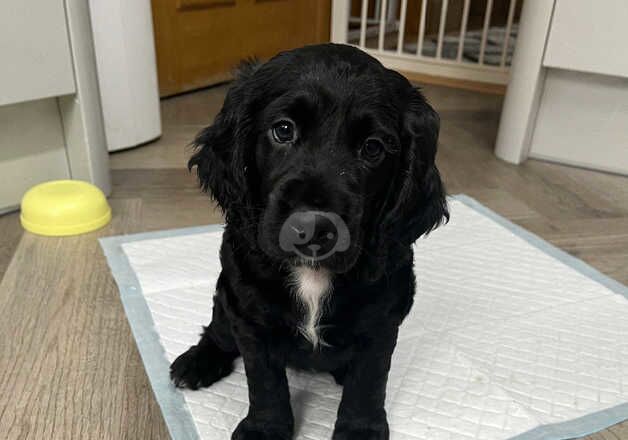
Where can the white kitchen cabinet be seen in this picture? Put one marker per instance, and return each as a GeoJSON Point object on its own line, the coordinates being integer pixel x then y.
{"type": "Point", "coordinates": [583, 121]}
{"type": "Point", "coordinates": [50, 115]}
{"type": "Point", "coordinates": [568, 94]}
{"type": "Point", "coordinates": [32, 147]}
{"type": "Point", "coordinates": [34, 51]}
{"type": "Point", "coordinates": [589, 36]}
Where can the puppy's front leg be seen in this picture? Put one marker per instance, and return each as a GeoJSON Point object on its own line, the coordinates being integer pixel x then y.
{"type": "Point", "coordinates": [270, 415]}
{"type": "Point", "coordinates": [361, 414]}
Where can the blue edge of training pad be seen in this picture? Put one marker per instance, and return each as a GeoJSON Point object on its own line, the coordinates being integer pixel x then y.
{"type": "Point", "coordinates": [174, 409]}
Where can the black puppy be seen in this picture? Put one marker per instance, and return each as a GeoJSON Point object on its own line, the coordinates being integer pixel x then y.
{"type": "Point", "coordinates": [323, 162]}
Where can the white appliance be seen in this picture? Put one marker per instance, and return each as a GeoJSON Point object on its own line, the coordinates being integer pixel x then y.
{"type": "Point", "coordinates": [127, 71]}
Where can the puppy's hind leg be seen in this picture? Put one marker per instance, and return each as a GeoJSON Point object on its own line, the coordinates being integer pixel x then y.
{"type": "Point", "coordinates": [211, 359]}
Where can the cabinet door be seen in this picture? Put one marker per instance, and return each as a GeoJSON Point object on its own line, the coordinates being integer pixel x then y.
{"type": "Point", "coordinates": [34, 51]}
{"type": "Point", "coordinates": [582, 121]}
{"type": "Point", "coordinates": [32, 148]}
{"type": "Point", "coordinates": [589, 36]}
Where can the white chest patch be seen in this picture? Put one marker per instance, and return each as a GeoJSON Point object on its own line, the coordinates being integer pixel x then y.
{"type": "Point", "coordinates": [311, 287]}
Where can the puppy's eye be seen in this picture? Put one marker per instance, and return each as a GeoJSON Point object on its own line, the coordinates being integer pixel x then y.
{"type": "Point", "coordinates": [284, 132]}
{"type": "Point", "coordinates": [372, 149]}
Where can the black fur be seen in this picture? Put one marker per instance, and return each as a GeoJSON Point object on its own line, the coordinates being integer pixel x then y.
{"type": "Point", "coordinates": [338, 97]}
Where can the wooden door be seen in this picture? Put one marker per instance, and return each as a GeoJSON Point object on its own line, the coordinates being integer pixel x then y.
{"type": "Point", "coordinates": [199, 42]}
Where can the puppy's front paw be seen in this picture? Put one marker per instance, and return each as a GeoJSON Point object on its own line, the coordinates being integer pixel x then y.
{"type": "Point", "coordinates": [200, 366]}
{"type": "Point", "coordinates": [249, 429]}
{"type": "Point", "coordinates": [361, 431]}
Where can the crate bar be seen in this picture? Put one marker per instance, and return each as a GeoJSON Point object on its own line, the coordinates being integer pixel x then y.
{"type": "Point", "coordinates": [365, 7]}
{"type": "Point", "coordinates": [383, 18]}
{"type": "Point", "coordinates": [463, 29]}
{"type": "Point", "coordinates": [441, 29]}
{"type": "Point", "coordinates": [402, 25]}
{"type": "Point", "coordinates": [511, 16]}
{"type": "Point", "coordinates": [419, 43]}
{"type": "Point", "coordinates": [487, 23]}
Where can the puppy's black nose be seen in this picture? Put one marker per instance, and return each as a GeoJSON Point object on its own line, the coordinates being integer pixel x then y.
{"type": "Point", "coordinates": [307, 193]}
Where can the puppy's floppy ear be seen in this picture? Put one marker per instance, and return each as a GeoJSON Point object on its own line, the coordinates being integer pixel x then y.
{"type": "Point", "coordinates": [420, 203]}
{"type": "Point", "coordinates": [220, 153]}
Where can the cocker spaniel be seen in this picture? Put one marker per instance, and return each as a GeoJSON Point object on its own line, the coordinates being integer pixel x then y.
{"type": "Point", "coordinates": [323, 163]}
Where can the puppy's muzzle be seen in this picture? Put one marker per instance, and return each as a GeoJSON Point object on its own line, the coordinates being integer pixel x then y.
{"type": "Point", "coordinates": [314, 235]}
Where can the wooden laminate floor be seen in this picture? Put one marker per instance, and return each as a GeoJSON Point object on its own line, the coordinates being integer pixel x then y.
{"type": "Point", "coordinates": [69, 367]}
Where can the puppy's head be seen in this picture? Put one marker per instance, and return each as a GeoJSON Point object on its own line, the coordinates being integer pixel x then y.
{"type": "Point", "coordinates": [322, 156]}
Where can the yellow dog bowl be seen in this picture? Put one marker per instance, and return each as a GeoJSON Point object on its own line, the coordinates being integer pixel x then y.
{"type": "Point", "coordinates": [64, 207]}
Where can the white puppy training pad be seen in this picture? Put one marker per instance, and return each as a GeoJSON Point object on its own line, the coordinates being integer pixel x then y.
{"type": "Point", "coordinates": [509, 337]}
